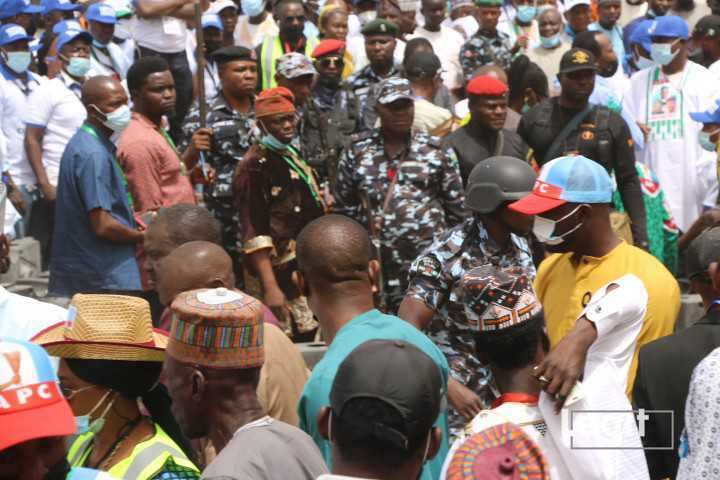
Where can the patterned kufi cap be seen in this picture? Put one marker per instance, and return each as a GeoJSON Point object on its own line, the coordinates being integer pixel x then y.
{"type": "Point", "coordinates": [497, 298]}
{"type": "Point", "coordinates": [218, 328]}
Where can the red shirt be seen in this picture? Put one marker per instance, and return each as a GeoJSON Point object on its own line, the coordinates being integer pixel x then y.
{"type": "Point", "coordinates": [152, 167]}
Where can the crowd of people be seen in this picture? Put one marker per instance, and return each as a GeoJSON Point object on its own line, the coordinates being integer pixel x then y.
{"type": "Point", "coordinates": [486, 211]}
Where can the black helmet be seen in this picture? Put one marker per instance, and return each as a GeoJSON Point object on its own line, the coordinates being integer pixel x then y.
{"type": "Point", "coordinates": [497, 180]}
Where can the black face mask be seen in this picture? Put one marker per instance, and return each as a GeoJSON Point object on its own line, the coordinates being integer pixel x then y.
{"type": "Point", "coordinates": [59, 471]}
{"type": "Point", "coordinates": [293, 32]}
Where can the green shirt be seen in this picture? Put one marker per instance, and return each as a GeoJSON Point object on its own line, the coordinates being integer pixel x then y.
{"type": "Point", "coordinates": [372, 325]}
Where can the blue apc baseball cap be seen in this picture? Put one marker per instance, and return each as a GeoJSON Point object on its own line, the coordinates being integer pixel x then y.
{"type": "Point", "coordinates": [211, 20]}
{"type": "Point", "coordinates": [570, 179]}
{"type": "Point", "coordinates": [709, 116]}
{"type": "Point", "coordinates": [11, 33]}
{"type": "Point", "coordinates": [670, 26]}
{"type": "Point", "coordinates": [60, 27]}
{"type": "Point", "coordinates": [101, 13]}
{"type": "Point", "coordinates": [641, 35]}
{"type": "Point", "coordinates": [70, 35]}
{"type": "Point", "coordinates": [11, 8]}
{"type": "Point", "coordinates": [62, 5]}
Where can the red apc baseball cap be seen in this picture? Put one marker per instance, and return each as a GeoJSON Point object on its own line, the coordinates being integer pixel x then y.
{"type": "Point", "coordinates": [31, 404]}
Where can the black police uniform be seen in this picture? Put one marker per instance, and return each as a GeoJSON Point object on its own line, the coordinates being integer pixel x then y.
{"type": "Point", "coordinates": [602, 136]}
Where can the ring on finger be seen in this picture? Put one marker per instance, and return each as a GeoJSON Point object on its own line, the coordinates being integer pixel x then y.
{"type": "Point", "coordinates": [543, 379]}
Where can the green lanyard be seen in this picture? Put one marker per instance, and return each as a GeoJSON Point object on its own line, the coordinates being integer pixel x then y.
{"type": "Point", "coordinates": [309, 181]}
{"type": "Point", "coordinates": [87, 128]}
{"type": "Point", "coordinates": [169, 140]}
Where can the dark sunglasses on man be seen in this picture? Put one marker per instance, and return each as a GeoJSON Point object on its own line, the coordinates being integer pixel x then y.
{"type": "Point", "coordinates": [329, 62]}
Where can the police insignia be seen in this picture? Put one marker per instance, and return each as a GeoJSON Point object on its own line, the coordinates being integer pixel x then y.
{"type": "Point", "coordinates": [580, 57]}
{"type": "Point", "coordinates": [429, 267]}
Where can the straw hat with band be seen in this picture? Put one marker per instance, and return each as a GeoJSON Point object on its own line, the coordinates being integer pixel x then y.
{"type": "Point", "coordinates": [105, 327]}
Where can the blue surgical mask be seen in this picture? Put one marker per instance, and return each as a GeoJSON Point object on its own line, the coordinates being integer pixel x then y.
{"type": "Point", "coordinates": [252, 8]}
{"type": "Point", "coordinates": [78, 66]}
{"type": "Point", "coordinates": [544, 229]}
{"type": "Point", "coordinates": [550, 42]}
{"type": "Point", "coordinates": [272, 142]}
{"type": "Point", "coordinates": [97, 44]}
{"type": "Point", "coordinates": [662, 53]}
{"type": "Point", "coordinates": [18, 62]}
{"type": "Point", "coordinates": [643, 63]}
{"type": "Point", "coordinates": [705, 142]}
{"type": "Point", "coordinates": [525, 13]}
{"type": "Point", "coordinates": [117, 120]}
{"type": "Point", "coordinates": [83, 424]}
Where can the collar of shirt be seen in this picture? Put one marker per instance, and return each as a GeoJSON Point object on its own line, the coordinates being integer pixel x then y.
{"type": "Point", "coordinates": [370, 73]}
{"type": "Point", "coordinates": [583, 260]}
{"type": "Point", "coordinates": [72, 84]}
{"type": "Point", "coordinates": [11, 76]}
{"type": "Point", "coordinates": [101, 138]}
{"type": "Point", "coordinates": [219, 103]}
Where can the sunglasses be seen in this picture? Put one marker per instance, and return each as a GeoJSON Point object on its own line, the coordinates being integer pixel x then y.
{"type": "Point", "coordinates": [328, 62]}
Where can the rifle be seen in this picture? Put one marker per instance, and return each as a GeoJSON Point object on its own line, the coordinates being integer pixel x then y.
{"type": "Point", "coordinates": [380, 299]}
{"type": "Point", "coordinates": [200, 80]}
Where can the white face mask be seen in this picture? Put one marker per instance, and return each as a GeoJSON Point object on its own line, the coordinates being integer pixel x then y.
{"type": "Point", "coordinates": [543, 229]}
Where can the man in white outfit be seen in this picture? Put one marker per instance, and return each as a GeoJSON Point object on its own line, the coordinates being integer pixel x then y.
{"type": "Point", "coordinates": [660, 99]}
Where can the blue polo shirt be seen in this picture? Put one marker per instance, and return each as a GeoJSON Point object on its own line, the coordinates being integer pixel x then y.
{"type": "Point", "coordinates": [90, 178]}
{"type": "Point", "coordinates": [372, 325]}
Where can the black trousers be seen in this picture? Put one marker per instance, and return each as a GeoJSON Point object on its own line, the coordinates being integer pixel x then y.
{"type": "Point", "coordinates": [182, 75]}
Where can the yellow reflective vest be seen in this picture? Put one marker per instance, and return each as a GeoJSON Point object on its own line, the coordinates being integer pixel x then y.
{"type": "Point", "coordinates": [146, 460]}
{"type": "Point", "coordinates": [271, 50]}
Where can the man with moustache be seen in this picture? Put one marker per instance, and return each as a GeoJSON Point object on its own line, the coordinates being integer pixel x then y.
{"type": "Point", "coordinates": [155, 170]}
{"type": "Point", "coordinates": [402, 185]}
{"type": "Point", "coordinates": [331, 114]}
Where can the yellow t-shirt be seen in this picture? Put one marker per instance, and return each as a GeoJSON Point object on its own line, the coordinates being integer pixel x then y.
{"type": "Point", "coordinates": [565, 287]}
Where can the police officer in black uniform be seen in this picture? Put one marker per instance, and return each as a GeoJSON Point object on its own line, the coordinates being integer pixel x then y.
{"type": "Point", "coordinates": [484, 135]}
{"type": "Point", "coordinates": [569, 124]}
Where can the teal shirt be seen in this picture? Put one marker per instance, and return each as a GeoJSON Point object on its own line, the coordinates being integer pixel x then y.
{"type": "Point", "coordinates": [372, 325]}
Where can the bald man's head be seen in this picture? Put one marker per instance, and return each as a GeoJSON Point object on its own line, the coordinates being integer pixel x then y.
{"type": "Point", "coordinates": [333, 249]}
{"type": "Point", "coordinates": [102, 95]}
{"type": "Point", "coordinates": [97, 88]}
{"type": "Point", "coordinates": [193, 265]}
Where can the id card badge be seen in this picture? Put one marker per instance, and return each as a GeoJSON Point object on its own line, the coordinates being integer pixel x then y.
{"type": "Point", "coordinates": [171, 26]}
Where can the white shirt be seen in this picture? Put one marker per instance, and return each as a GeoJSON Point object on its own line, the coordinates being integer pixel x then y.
{"type": "Point", "coordinates": [102, 64]}
{"type": "Point", "coordinates": [715, 68]}
{"type": "Point", "coordinates": [55, 106]}
{"type": "Point", "coordinates": [24, 317]}
{"type": "Point", "coordinates": [526, 416]}
{"type": "Point", "coordinates": [617, 310]}
{"type": "Point", "coordinates": [686, 172]}
{"type": "Point", "coordinates": [13, 105]}
{"type": "Point", "coordinates": [249, 35]}
{"type": "Point", "coordinates": [548, 59]}
{"type": "Point", "coordinates": [447, 44]}
{"type": "Point", "coordinates": [161, 34]}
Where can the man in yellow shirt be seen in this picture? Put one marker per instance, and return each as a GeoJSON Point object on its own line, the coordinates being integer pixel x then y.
{"type": "Point", "coordinates": [571, 201]}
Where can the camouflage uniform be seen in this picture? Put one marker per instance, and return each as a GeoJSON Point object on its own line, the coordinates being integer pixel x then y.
{"type": "Point", "coordinates": [364, 85]}
{"type": "Point", "coordinates": [329, 118]}
{"type": "Point", "coordinates": [436, 279]}
{"type": "Point", "coordinates": [481, 50]}
{"type": "Point", "coordinates": [426, 200]}
{"type": "Point", "coordinates": [233, 133]}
